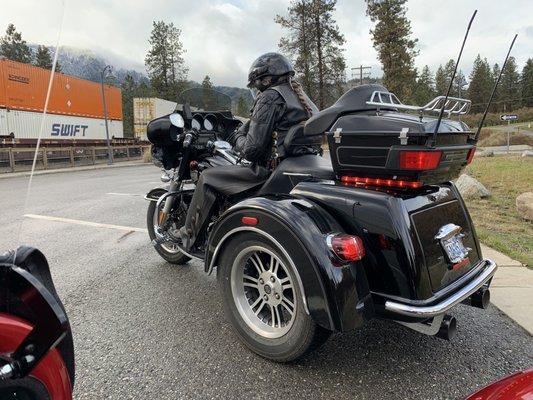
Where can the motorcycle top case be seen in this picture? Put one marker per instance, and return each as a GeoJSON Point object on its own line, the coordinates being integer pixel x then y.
{"type": "Point", "coordinates": [368, 142]}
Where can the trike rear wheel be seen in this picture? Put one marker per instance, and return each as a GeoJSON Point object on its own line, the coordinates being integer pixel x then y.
{"type": "Point", "coordinates": [263, 299]}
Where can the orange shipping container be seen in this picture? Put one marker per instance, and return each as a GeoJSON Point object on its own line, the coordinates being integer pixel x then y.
{"type": "Point", "coordinates": [24, 86]}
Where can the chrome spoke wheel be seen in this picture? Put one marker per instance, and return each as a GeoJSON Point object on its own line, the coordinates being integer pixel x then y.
{"type": "Point", "coordinates": [174, 230]}
{"type": "Point", "coordinates": [263, 292]}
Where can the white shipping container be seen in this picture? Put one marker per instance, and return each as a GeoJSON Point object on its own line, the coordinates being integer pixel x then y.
{"type": "Point", "coordinates": [139, 131]}
{"type": "Point", "coordinates": [26, 125]}
{"type": "Point", "coordinates": [146, 109]}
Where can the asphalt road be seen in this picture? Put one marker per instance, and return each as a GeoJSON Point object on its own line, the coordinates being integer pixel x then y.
{"type": "Point", "coordinates": [144, 329]}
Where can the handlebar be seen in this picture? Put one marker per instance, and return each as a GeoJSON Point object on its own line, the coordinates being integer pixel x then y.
{"type": "Point", "coordinates": [188, 140]}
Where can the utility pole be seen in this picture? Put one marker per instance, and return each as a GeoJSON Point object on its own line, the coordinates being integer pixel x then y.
{"type": "Point", "coordinates": [362, 73]}
{"type": "Point", "coordinates": [109, 150]}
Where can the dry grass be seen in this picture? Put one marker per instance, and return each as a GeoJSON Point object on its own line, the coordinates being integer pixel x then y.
{"type": "Point", "coordinates": [497, 222]}
{"type": "Point", "coordinates": [498, 137]}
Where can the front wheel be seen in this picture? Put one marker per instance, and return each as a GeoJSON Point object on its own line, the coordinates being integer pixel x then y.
{"type": "Point", "coordinates": [170, 252]}
{"type": "Point", "coordinates": [263, 300]}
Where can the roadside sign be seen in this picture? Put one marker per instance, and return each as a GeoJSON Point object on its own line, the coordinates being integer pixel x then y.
{"type": "Point", "coordinates": [509, 117]}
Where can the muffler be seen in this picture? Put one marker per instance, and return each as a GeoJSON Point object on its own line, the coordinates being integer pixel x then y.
{"type": "Point", "coordinates": [479, 299]}
{"type": "Point", "coordinates": [448, 327]}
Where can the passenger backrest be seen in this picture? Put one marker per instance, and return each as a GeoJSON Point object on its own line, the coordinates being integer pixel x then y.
{"type": "Point", "coordinates": [296, 142]}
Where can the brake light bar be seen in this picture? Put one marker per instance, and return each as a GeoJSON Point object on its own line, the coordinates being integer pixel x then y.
{"type": "Point", "coordinates": [420, 160]}
{"type": "Point", "coordinates": [381, 182]}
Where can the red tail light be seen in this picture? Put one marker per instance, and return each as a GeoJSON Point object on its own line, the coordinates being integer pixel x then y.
{"type": "Point", "coordinates": [470, 156]}
{"type": "Point", "coordinates": [346, 247]}
{"type": "Point", "coordinates": [381, 182]}
{"type": "Point", "coordinates": [420, 160]}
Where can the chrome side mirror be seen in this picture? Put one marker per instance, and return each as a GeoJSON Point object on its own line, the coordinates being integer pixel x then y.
{"type": "Point", "coordinates": [177, 120]}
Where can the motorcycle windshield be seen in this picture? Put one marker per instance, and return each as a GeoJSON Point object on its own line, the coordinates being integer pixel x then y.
{"type": "Point", "coordinates": [205, 99]}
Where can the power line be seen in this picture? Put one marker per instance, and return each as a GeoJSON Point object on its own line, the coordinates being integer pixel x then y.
{"type": "Point", "coordinates": [362, 73]}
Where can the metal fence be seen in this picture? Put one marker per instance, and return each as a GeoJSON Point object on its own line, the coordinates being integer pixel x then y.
{"type": "Point", "coordinates": [21, 159]}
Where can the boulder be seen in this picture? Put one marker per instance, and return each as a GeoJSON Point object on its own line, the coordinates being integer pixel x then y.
{"type": "Point", "coordinates": [470, 188]}
{"type": "Point", "coordinates": [524, 205]}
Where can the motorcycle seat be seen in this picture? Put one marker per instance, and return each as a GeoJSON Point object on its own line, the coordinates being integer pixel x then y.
{"type": "Point", "coordinates": [296, 169]}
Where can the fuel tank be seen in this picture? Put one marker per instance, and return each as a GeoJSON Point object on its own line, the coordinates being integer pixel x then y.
{"type": "Point", "coordinates": [418, 242]}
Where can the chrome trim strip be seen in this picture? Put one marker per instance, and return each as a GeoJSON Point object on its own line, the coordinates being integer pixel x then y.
{"type": "Point", "coordinates": [269, 237]}
{"type": "Point", "coordinates": [439, 308]}
{"type": "Point", "coordinates": [297, 174]}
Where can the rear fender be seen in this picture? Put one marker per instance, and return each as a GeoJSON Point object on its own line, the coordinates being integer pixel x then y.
{"type": "Point", "coordinates": [337, 298]}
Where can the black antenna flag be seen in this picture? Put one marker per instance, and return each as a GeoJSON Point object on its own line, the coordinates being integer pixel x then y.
{"type": "Point", "coordinates": [494, 90]}
{"type": "Point", "coordinates": [432, 142]}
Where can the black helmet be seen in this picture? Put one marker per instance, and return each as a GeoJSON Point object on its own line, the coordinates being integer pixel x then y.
{"type": "Point", "coordinates": [269, 64]}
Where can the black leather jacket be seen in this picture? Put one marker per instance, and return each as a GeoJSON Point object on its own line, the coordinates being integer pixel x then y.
{"type": "Point", "coordinates": [275, 110]}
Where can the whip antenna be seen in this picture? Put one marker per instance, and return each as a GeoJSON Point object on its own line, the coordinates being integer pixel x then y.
{"type": "Point", "coordinates": [432, 142]}
{"type": "Point", "coordinates": [494, 90]}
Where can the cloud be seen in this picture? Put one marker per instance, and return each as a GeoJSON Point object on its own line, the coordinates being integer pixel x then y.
{"type": "Point", "coordinates": [223, 37]}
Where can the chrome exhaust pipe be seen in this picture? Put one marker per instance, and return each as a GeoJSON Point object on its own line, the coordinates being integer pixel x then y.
{"type": "Point", "coordinates": [448, 327]}
{"type": "Point", "coordinates": [480, 299]}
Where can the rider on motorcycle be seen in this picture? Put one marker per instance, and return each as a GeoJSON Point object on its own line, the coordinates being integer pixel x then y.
{"type": "Point", "coordinates": [280, 104]}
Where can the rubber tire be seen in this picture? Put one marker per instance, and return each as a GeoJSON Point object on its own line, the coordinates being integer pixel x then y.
{"type": "Point", "coordinates": [303, 337]}
{"type": "Point", "coordinates": [172, 258]}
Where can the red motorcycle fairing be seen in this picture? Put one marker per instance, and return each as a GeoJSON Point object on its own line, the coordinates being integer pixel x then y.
{"type": "Point", "coordinates": [518, 386]}
{"type": "Point", "coordinates": [51, 370]}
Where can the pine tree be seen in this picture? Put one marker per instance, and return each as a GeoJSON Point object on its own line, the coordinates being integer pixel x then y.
{"type": "Point", "coordinates": [442, 79]}
{"type": "Point", "coordinates": [43, 59]}
{"type": "Point", "coordinates": [527, 84]}
{"type": "Point", "coordinates": [128, 93]}
{"type": "Point", "coordinates": [330, 60]}
{"type": "Point", "coordinates": [480, 84]}
{"type": "Point", "coordinates": [510, 86]}
{"type": "Point", "coordinates": [13, 47]}
{"type": "Point", "coordinates": [208, 95]}
{"type": "Point", "coordinates": [459, 85]}
{"type": "Point", "coordinates": [315, 42]}
{"type": "Point", "coordinates": [164, 62]}
{"type": "Point", "coordinates": [425, 87]}
{"type": "Point", "coordinates": [392, 40]}
{"type": "Point", "coordinates": [299, 43]}
{"type": "Point", "coordinates": [241, 109]}
{"type": "Point", "coordinates": [495, 106]}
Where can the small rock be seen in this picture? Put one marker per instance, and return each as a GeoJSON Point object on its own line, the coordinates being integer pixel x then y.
{"type": "Point", "coordinates": [484, 153]}
{"type": "Point", "coordinates": [527, 153]}
{"type": "Point", "coordinates": [524, 205]}
{"type": "Point", "coordinates": [470, 188]}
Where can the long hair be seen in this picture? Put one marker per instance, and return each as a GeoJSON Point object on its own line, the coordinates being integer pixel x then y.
{"type": "Point", "coordinates": [299, 91]}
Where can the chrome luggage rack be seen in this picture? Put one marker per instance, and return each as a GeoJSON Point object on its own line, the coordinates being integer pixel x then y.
{"type": "Point", "coordinates": [451, 105]}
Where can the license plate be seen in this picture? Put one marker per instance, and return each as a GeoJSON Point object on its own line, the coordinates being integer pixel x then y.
{"type": "Point", "coordinates": [451, 241]}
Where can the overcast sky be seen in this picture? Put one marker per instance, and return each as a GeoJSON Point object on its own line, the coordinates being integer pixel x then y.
{"type": "Point", "coordinates": [223, 37]}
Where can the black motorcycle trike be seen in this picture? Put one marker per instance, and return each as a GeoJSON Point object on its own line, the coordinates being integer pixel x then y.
{"type": "Point", "coordinates": [375, 229]}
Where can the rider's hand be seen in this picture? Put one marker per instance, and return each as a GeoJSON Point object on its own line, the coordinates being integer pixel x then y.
{"type": "Point", "coordinates": [240, 131]}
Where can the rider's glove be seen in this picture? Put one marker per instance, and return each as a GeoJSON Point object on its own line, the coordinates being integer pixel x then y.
{"type": "Point", "coordinates": [239, 132]}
